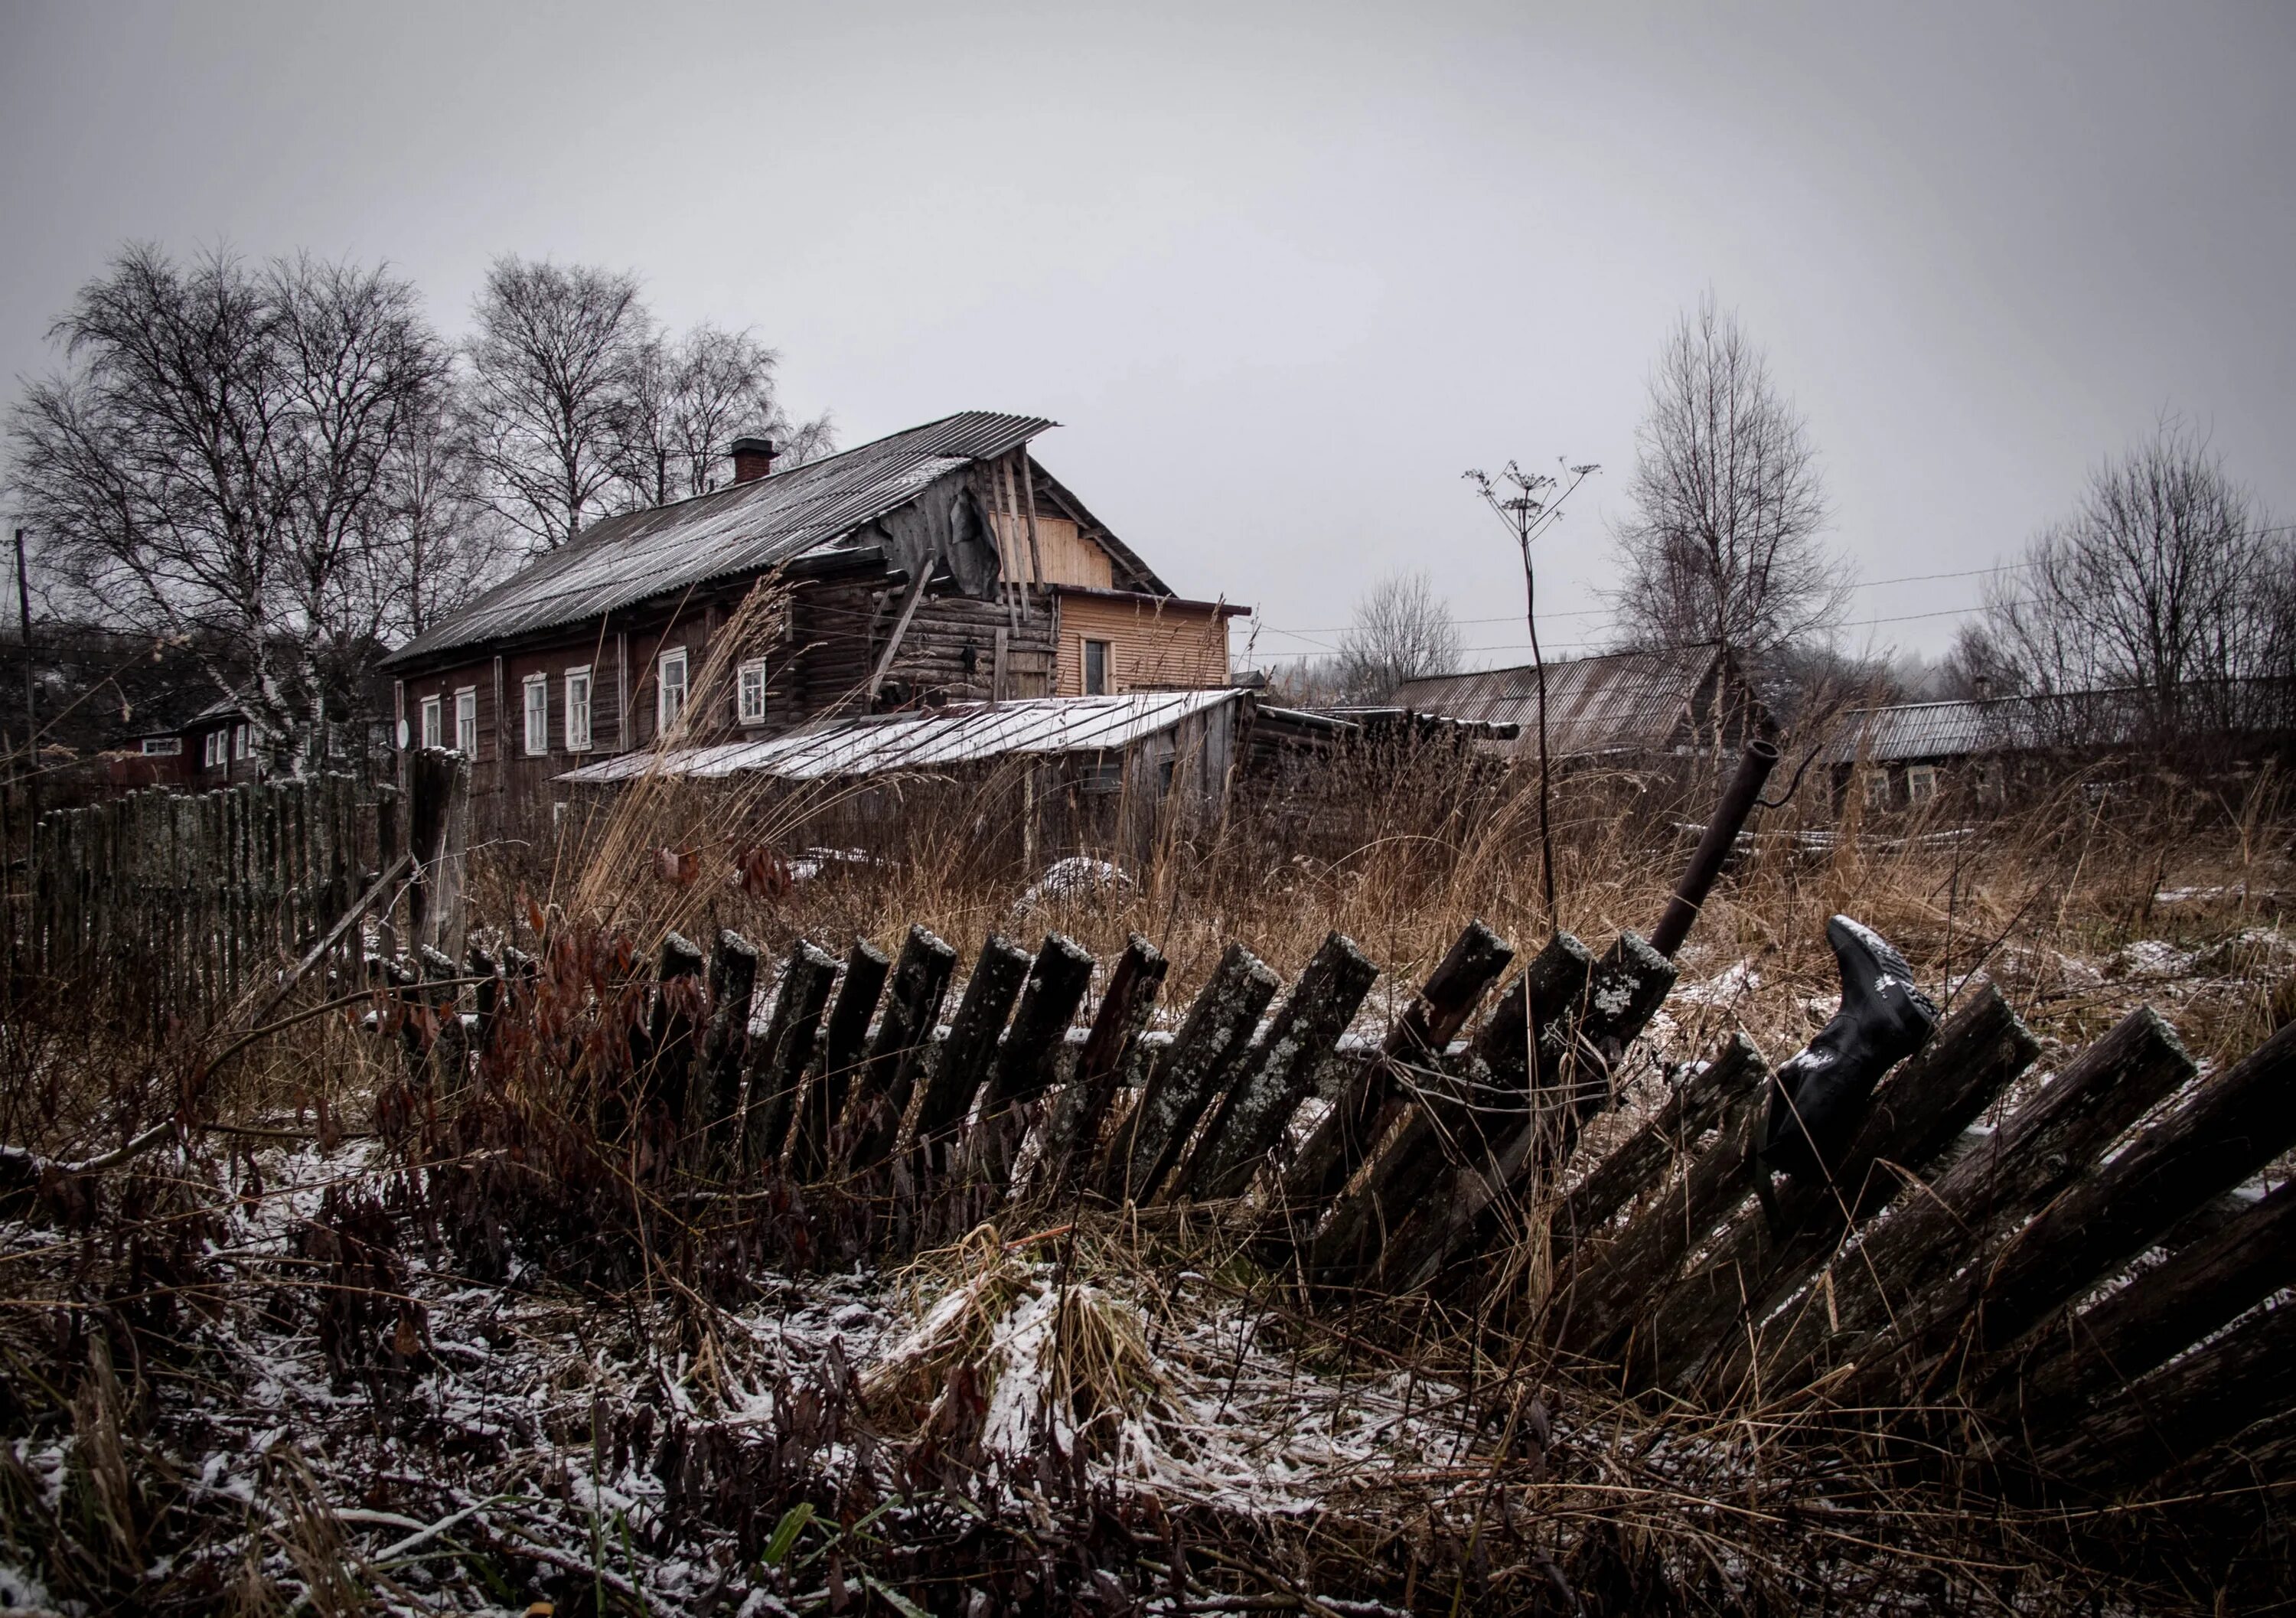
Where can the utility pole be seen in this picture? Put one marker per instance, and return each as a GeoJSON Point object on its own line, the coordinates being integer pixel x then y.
{"type": "Point", "coordinates": [31, 716]}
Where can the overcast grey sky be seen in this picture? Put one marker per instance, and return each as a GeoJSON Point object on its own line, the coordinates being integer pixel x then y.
{"type": "Point", "coordinates": [1283, 273]}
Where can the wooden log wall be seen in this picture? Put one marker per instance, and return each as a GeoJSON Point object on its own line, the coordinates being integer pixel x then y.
{"type": "Point", "coordinates": [169, 904]}
{"type": "Point", "coordinates": [2057, 1270]}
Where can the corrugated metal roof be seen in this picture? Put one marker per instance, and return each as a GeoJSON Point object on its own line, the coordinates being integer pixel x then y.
{"type": "Point", "coordinates": [1629, 702]}
{"type": "Point", "coordinates": [743, 527]}
{"type": "Point", "coordinates": [2002, 723]}
{"type": "Point", "coordinates": [934, 738]}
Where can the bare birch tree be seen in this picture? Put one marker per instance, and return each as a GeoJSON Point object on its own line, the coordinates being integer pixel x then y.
{"type": "Point", "coordinates": [2165, 579]}
{"type": "Point", "coordinates": [1402, 631]}
{"type": "Point", "coordinates": [216, 465]}
{"type": "Point", "coordinates": [1723, 546]}
{"type": "Point", "coordinates": [555, 363]}
{"type": "Point", "coordinates": [691, 396]}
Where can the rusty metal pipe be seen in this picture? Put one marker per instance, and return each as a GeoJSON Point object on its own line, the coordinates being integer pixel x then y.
{"type": "Point", "coordinates": [1755, 763]}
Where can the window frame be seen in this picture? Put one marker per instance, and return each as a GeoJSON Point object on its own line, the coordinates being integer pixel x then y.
{"type": "Point", "coordinates": [1084, 680]}
{"type": "Point", "coordinates": [751, 671]}
{"type": "Point", "coordinates": [536, 715]}
{"type": "Point", "coordinates": [664, 714]}
{"type": "Point", "coordinates": [163, 747]}
{"type": "Point", "coordinates": [582, 742]}
{"type": "Point", "coordinates": [214, 749]}
{"type": "Point", "coordinates": [430, 722]}
{"type": "Point", "coordinates": [1877, 789]}
{"type": "Point", "coordinates": [1921, 783]}
{"type": "Point", "coordinates": [1101, 776]}
{"type": "Point", "coordinates": [466, 706]}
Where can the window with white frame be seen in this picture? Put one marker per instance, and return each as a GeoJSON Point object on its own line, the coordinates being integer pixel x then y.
{"type": "Point", "coordinates": [211, 749]}
{"type": "Point", "coordinates": [466, 721]}
{"type": "Point", "coordinates": [1921, 783]}
{"type": "Point", "coordinates": [749, 693]}
{"type": "Point", "coordinates": [1877, 789]}
{"type": "Point", "coordinates": [162, 747]}
{"type": "Point", "coordinates": [433, 735]}
{"type": "Point", "coordinates": [538, 714]}
{"type": "Point", "coordinates": [669, 689]}
{"type": "Point", "coordinates": [578, 709]}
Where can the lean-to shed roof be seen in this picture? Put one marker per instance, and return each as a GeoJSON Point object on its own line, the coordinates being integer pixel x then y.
{"type": "Point", "coordinates": [1629, 702]}
{"type": "Point", "coordinates": [931, 739]}
{"type": "Point", "coordinates": [743, 527]}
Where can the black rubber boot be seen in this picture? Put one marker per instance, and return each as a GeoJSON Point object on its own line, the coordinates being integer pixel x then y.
{"type": "Point", "coordinates": [1819, 1097]}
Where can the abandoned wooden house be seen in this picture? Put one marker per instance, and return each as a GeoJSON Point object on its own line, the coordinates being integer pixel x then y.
{"type": "Point", "coordinates": [1978, 752]}
{"type": "Point", "coordinates": [1627, 707]}
{"type": "Point", "coordinates": [939, 565]}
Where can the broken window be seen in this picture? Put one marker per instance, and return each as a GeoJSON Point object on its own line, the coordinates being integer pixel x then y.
{"type": "Point", "coordinates": [1103, 772]}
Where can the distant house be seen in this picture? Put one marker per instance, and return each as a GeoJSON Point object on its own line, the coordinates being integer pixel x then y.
{"type": "Point", "coordinates": [215, 747]}
{"type": "Point", "coordinates": [1624, 706]}
{"type": "Point", "coordinates": [940, 565]}
{"type": "Point", "coordinates": [1904, 754]}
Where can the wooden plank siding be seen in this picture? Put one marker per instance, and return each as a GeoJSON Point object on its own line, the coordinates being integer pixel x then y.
{"type": "Point", "coordinates": [1154, 643]}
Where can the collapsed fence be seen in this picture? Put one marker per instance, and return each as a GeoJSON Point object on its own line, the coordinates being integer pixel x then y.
{"type": "Point", "coordinates": [2089, 1266]}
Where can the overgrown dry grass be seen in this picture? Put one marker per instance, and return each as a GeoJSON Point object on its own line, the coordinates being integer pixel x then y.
{"type": "Point", "coordinates": [373, 1344]}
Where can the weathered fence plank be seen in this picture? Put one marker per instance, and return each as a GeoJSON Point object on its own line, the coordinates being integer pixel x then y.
{"type": "Point", "coordinates": [1110, 1051]}
{"type": "Point", "coordinates": [1366, 1108]}
{"type": "Point", "coordinates": [780, 1054]}
{"type": "Point", "coordinates": [2179, 1412]}
{"type": "Point", "coordinates": [2239, 1120]}
{"type": "Point", "coordinates": [1896, 1282]}
{"type": "Point", "coordinates": [725, 1042]}
{"type": "Point", "coordinates": [1915, 1113]}
{"type": "Point", "coordinates": [948, 1090]}
{"type": "Point", "coordinates": [1024, 1068]}
{"type": "Point", "coordinates": [903, 1040]}
{"type": "Point", "coordinates": [1271, 1073]}
{"type": "Point", "coordinates": [866, 968]}
{"type": "Point", "coordinates": [1609, 1282]}
{"type": "Point", "coordinates": [1209, 1047]}
{"type": "Point", "coordinates": [2171, 1307]}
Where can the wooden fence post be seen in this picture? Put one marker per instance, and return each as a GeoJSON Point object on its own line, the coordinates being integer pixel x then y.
{"type": "Point", "coordinates": [971, 1045]}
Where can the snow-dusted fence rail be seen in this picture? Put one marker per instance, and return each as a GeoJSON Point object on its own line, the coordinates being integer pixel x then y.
{"type": "Point", "coordinates": [169, 903]}
{"type": "Point", "coordinates": [2094, 1262]}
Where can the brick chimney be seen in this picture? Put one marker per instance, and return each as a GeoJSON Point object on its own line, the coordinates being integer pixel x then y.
{"type": "Point", "coordinates": [753, 458]}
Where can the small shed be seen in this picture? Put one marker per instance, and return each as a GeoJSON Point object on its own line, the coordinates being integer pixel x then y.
{"type": "Point", "coordinates": [1082, 771]}
{"type": "Point", "coordinates": [1623, 706]}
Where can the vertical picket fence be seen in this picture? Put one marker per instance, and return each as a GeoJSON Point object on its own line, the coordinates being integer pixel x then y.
{"type": "Point", "coordinates": [173, 904]}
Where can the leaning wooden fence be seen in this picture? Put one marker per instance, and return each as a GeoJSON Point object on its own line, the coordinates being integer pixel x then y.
{"type": "Point", "coordinates": [2073, 1271]}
